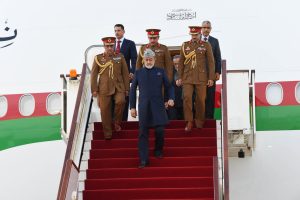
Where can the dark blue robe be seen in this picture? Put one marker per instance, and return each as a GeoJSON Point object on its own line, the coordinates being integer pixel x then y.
{"type": "Point", "coordinates": [151, 108]}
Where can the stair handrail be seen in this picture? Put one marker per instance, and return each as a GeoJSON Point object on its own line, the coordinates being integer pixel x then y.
{"type": "Point", "coordinates": [216, 178]}
{"type": "Point", "coordinates": [225, 169]}
{"type": "Point", "coordinates": [252, 107]}
{"type": "Point", "coordinates": [70, 172]}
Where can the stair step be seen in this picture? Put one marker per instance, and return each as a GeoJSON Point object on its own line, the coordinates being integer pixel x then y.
{"type": "Point", "coordinates": [180, 124]}
{"type": "Point", "coordinates": [149, 193]}
{"type": "Point", "coordinates": [168, 152]}
{"type": "Point", "coordinates": [165, 162]}
{"type": "Point", "coordinates": [157, 182]}
{"type": "Point", "coordinates": [170, 133]}
{"type": "Point", "coordinates": [149, 172]}
{"type": "Point", "coordinates": [170, 142]}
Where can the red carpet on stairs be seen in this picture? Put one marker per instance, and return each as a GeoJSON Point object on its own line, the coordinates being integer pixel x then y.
{"type": "Point", "coordinates": [185, 172]}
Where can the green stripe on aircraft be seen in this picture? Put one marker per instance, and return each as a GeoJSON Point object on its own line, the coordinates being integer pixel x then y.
{"type": "Point", "coordinates": [29, 130]}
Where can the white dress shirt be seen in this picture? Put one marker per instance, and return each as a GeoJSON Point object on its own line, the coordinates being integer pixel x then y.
{"type": "Point", "coordinates": [120, 42]}
{"type": "Point", "coordinates": [202, 38]}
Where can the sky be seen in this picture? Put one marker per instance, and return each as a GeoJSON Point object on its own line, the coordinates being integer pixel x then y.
{"type": "Point", "coordinates": [53, 35]}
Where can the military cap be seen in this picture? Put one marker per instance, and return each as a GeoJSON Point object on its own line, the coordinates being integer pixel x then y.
{"type": "Point", "coordinates": [109, 40]}
{"type": "Point", "coordinates": [153, 32]}
{"type": "Point", "coordinates": [195, 30]}
{"type": "Point", "coordinates": [148, 53]}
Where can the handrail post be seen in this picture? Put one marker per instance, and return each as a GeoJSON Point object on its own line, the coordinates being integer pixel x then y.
{"type": "Point", "coordinates": [253, 116]}
{"type": "Point", "coordinates": [216, 179]}
{"type": "Point", "coordinates": [225, 132]}
{"type": "Point", "coordinates": [63, 130]}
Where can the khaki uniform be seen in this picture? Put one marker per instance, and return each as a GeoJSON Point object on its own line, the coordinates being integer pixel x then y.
{"type": "Point", "coordinates": [195, 69]}
{"type": "Point", "coordinates": [162, 58]}
{"type": "Point", "coordinates": [113, 83]}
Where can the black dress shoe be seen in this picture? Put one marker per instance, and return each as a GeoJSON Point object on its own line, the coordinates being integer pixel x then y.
{"type": "Point", "coordinates": [158, 155]}
{"type": "Point", "coordinates": [143, 164]}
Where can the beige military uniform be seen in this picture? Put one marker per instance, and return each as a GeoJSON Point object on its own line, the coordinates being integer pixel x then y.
{"type": "Point", "coordinates": [195, 69]}
{"type": "Point", "coordinates": [162, 58]}
{"type": "Point", "coordinates": [113, 83]}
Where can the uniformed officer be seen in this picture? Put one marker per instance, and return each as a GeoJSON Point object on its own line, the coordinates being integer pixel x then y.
{"type": "Point", "coordinates": [196, 71]}
{"type": "Point", "coordinates": [162, 54]}
{"type": "Point", "coordinates": [150, 80]}
{"type": "Point", "coordinates": [113, 83]}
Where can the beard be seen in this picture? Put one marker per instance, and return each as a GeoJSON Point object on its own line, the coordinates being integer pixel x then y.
{"type": "Point", "coordinates": [149, 66]}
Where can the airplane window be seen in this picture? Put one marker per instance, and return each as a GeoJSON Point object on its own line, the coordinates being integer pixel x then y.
{"type": "Point", "coordinates": [274, 94]}
{"type": "Point", "coordinates": [26, 105]}
{"type": "Point", "coordinates": [3, 106]}
{"type": "Point", "coordinates": [53, 104]}
{"type": "Point", "coordinates": [297, 92]}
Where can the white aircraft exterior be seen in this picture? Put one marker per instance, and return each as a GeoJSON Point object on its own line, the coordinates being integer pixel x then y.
{"type": "Point", "coordinates": [39, 40]}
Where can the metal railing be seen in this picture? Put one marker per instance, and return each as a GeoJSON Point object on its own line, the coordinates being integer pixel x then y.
{"type": "Point", "coordinates": [252, 107]}
{"type": "Point", "coordinates": [63, 126]}
{"type": "Point", "coordinates": [216, 177]}
{"type": "Point", "coordinates": [225, 169]}
{"type": "Point", "coordinates": [70, 173]}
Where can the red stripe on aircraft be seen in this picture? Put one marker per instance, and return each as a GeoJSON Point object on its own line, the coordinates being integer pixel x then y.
{"type": "Point", "coordinates": [260, 93]}
{"type": "Point", "coordinates": [13, 106]}
{"type": "Point", "coordinates": [288, 87]}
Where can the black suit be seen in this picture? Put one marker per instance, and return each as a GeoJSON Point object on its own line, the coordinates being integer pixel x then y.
{"type": "Point", "coordinates": [176, 112]}
{"type": "Point", "coordinates": [128, 49]}
{"type": "Point", "coordinates": [210, 92]}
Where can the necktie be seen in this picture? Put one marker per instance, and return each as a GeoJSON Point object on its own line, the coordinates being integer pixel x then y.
{"type": "Point", "coordinates": [205, 39]}
{"type": "Point", "coordinates": [118, 46]}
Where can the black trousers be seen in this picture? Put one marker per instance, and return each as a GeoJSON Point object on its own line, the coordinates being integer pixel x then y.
{"type": "Point", "coordinates": [143, 143]}
{"type": "Point", "coordinates": [175, 113]}
{"type": "Point", "coordinates": [126, 108]}
{"type": "Point", "coordinates": [210, 102]}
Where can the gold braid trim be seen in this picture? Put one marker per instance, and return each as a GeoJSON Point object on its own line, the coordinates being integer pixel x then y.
{"type": "Point", "coordinates": [190, 57]}
{"type": "Point", "coordinates": [108, 65]}
{"type": "Point", "coordinates": [141, 54]}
